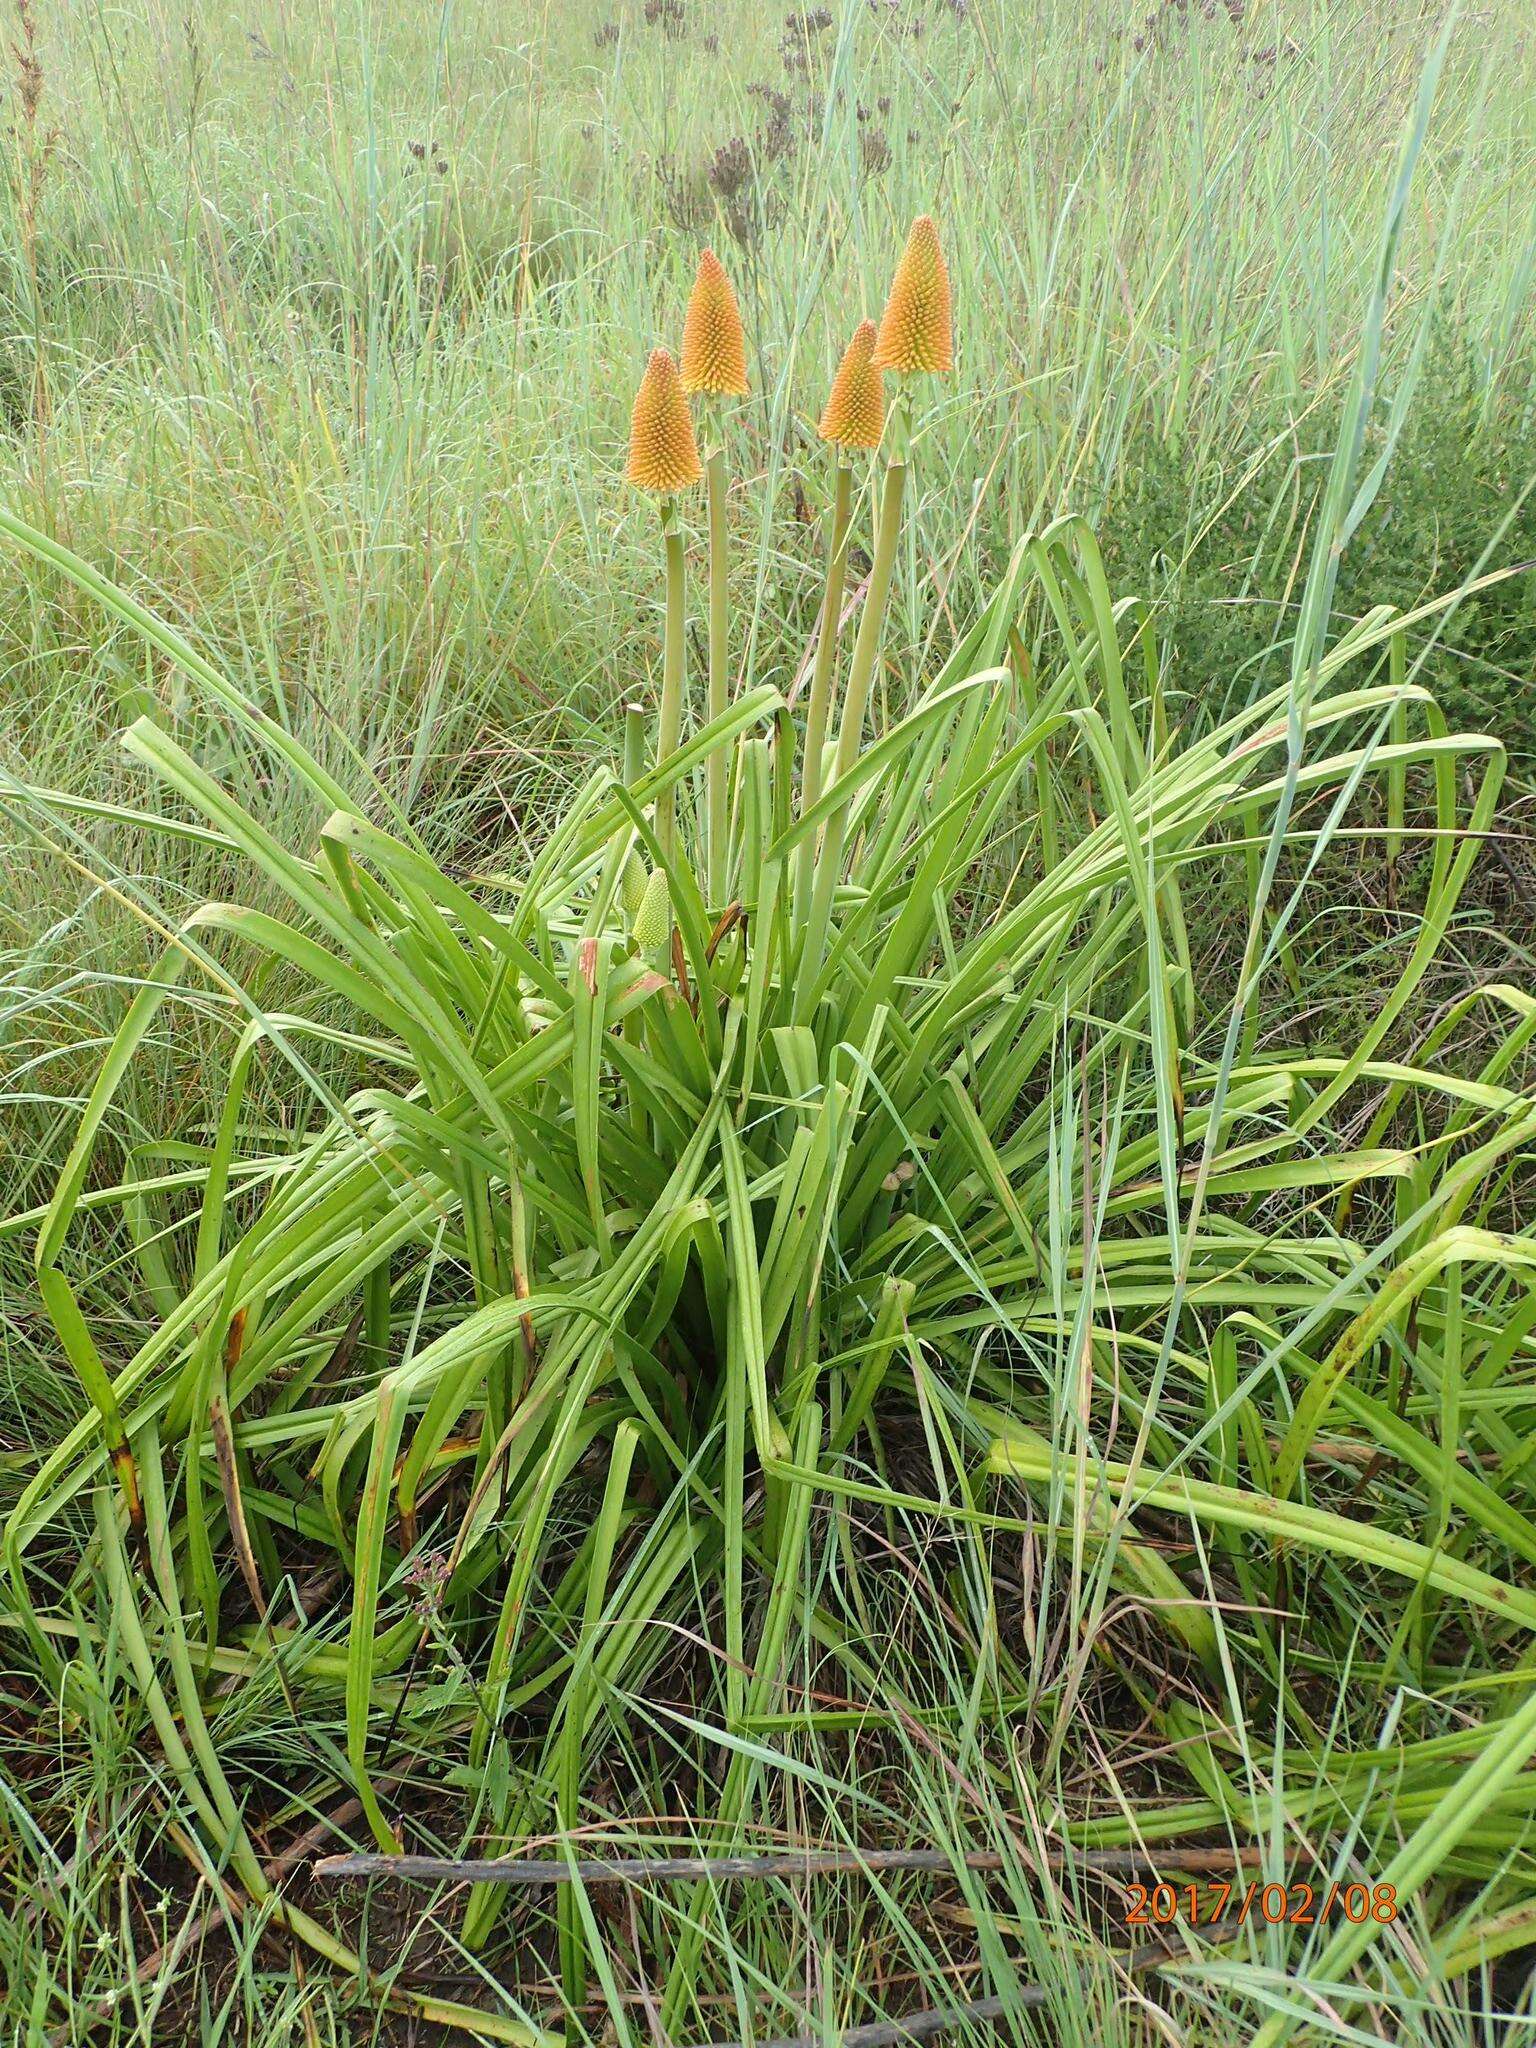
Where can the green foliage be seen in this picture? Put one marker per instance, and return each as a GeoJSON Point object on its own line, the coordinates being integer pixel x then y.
{"type": "Point", "coordinates": [1458, 505]}
{"type": "Point", "coordinates": [586, 1294]}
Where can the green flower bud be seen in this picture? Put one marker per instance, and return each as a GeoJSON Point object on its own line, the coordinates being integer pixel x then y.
{"type": "Point", "coordinates": [652, 925]}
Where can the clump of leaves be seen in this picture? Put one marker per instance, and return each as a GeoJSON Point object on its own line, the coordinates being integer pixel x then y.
{"type": "Point", "coordinates": [741, 1111]}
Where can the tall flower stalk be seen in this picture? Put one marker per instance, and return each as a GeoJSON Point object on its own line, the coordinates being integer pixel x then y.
{"type": "Point", "coordinates": [663, 461]}
{"type": "Point", "coordinates": [715, 369]}
{"type": "Point", "coordinates": [914, 339]}
{"type": "Point", "coordinates": [853, 417]}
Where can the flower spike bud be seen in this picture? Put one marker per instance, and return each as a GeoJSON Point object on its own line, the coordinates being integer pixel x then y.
{"type": "Point", "coordinates": [714, 347]}
{"type": "Point", "coordinates": [651, 926]}
{"type": "Point", "coordinates": [915, 327]}
{"type": "Point", "coordinates": [632, 886]}
{"type": "Point", "coordinates": [855, 409]}
{"type": "Point", "coordinates": [663, 455]}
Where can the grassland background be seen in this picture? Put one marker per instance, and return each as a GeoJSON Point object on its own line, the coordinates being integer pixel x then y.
{"type": "Point", "coordinates": [319, 329]}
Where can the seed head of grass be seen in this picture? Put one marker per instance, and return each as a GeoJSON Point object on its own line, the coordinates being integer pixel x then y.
{"type": "Point", "coordinates": [714, 347]}
{"type": "Point", "coordinates": [855, 410]}
{"type": "Point", "coordinates": [915, 326]}
{"type": "Point", "coordinates": [663, 454]}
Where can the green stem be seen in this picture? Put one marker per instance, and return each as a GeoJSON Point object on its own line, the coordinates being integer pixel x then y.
{"type": "Point", "coordinates": [861, 670]}
{"type": "Point", "coordinates": [1397, 773]}
{"type": "Point", "coordinates": [670, 725]}
{"type": "Point", "coordinates": [819, 705]}
{"type": "Point", "coordinates": [634, 743]}
{"type": "Point", "coordinates": [716, 794]}
{"type": "Point", "coordinates": [866, 649]}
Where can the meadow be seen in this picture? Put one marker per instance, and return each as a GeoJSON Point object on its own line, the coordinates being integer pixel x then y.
{"type": "Point", "coordinates": [841, 1176]}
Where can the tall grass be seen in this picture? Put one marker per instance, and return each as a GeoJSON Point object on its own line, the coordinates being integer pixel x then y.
{"type": "Point", "coordinates": [260, 299]}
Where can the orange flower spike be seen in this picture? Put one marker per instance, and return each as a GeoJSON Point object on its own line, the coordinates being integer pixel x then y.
{"type": "Point", "coordinates": [855, 411]}
{"type": "Point", "coordinates": [714, 347]}
{"type": "Point", "coordinates": [915, 326]}
{"type": "Point", "coordinates": [663, 455]}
